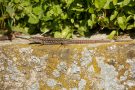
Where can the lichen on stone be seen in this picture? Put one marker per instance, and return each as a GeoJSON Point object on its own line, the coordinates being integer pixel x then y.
{"type": "Point", "coordinates": [73, 67]}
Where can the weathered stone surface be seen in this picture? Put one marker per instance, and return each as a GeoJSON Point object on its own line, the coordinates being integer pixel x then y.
{"type": "Point", "coordinates": [67, 67]}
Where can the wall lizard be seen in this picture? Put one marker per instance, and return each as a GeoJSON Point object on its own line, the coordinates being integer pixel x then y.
{"type": "Point", "coordinates": [55, 41]}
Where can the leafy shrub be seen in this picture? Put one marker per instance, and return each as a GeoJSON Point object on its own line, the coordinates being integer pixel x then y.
{"type": "Point", "coordinates": [63, 18]}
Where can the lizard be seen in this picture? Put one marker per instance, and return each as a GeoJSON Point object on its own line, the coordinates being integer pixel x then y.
{"type": "Point", "coordinates": [55, 41]}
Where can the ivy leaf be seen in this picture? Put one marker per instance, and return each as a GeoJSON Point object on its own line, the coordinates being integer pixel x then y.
{"type": "Point", "coordinates": [115, 2]}
{"type": "Point", "coordinates": [33, 19]}
{"type": "Point", "coordinates": [69, 35]}
{"type": "Point", "coordinates": [38, 10]}
{"type": "Point", "coordinates": [126, 2]}
{"type": "Point", "coordinates": [64, 16]}
{"type": "Point", "coordinates": [19, 28]}
{"type": "Point", "coordinates": [45, 7]}
{"type": "Point", "coordinates": [130, 26]}
{"type": "Point", "coordinates": [112, 34]}
{"type": "Point", "coordinates": [90, 23]}
{"type": "Point", "coordinates": [81, 30]}
{"type": "Point", "coordinates": [113, 16]}
{"type": "Point", "coordinates": [93, 16]}
{"type": "Point", "coordinates": [76, 25]}
{"type": "Point", "coordinates": [16, 1]}
{"type": "Point", "coordinates": [100, 3]}
{"type": "Point", "coordinates": [44, 29]}
{"type": "Point", "coordinates": [72, 20]}
{"type": "Point", "coordinates": [25, 3]}
{"type": "Point", "coordinates": [65, 32]}
{"type": "Point", "coordinates": [57, 34]}
{"type": "Point", "coordinates": [28, 10]}
{"type": "Point", "coordinates": [46, 18]}
{"type": "Point", "coordinates": [129, 18]}
{"type": "Point", "coordinates": [129, 10]}
{"type": "Point", "coordinates": [108, 5]}
{"type": "Point", "coordinates": [56, 10]}
{"type": "Point", "coordinates": [69, 2]}
{"type": "Point", "coordinates": [10, 11]}
{"type": "Point", "coordinates": [122, 22]}
{"type": "Point", "coordinates": [36, 0]}
{"type": "Point", "coordinates": [78, 9]}
{"type": "Point", "coordinates": [91, 10]}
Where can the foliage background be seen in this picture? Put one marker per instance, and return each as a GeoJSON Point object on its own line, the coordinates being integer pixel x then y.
{"type": "Point", "coordinates": [63, 18]}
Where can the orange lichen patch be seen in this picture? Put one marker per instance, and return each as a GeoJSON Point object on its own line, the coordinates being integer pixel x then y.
{"type": "Point", "coordinates": [131, 88]}
{"type": "Point", "coordinates": [117, 58]}
{"type": "Point", "coordinates": [117, 53]}
{"type": "Point", "coordinates": [122, 71]}
{"type": "Point", "coordinates": [104, 49]}
{"type": "Point", "coordinates": [51, 65]}
{"type": "Point", "coordinates": [72, 84]}
{"type": "Point", "coordinates": [63, 80]}
{"type": "Point", "coordinates": [92, 82]}
{"type": "Point", "coordinates": [95, 65]}
{"type": "Point", "coordinates": [40, 50]}
{"type": "Point", "coordinates": [89, 85]}
{"type": "Point", "coordinates": [43, 86]}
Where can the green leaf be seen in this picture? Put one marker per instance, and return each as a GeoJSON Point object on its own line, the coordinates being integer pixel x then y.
{"type": "Point", "coordinates": [112, 34]}
{"type": "Point", "coordinates": [72, 20]}
{"type": "Point", "coordinates": [121, 21]}
{"type": "Point", "coordinates": [78, 9]}
{"type": "Point", "coordinates": [76, 25]}
{"type": "Point", "coordinates": [56, 10]}
{"type": "Point", "coordinates": [46, 18]}
{"type": "Point", "coordinates": [108, 5]}
{"type": "Point", "coordinates": [100, 3]}
{"type": "Point", "coordinates": [129, 18]}
{"type": "Point", "coordinates": [36, 0]}
{"type": "Point", "coordinates": [10, 11]}
{"type": "Point", "coordinates": [25, 3]}
{"type": "Point", "coordinates": [126, 2]}
{"type": "Point", "coordinates": [69, 35]}
{"type": "Point", "coordinates": [91, 10]}
{"type": "Point", "coordinates": [90, 23]}
{"type": "Point", "coordinates": [132, 3]}
{"type": "Point", "coordinates": [82, 30]}
{"type": "Point", "coordinates": [130, 26]}
{"type": "Point", "coordinates": [69, 2]}
{"type": "Point", "coordinates": [57, 34]}
{"type": "Point", "coordinates": [44, 29]}
{"type": "Point", "coordinates": [33, 19]}
{"type": "Point", "coordinates": [45, 7]}
{"type": "Point", "coordinates": [64, 16]}
{"type": "Point", "coordinates": [129, 10]}
{"type": "Point", "coordinates": [115, 2]}
{"type": "Point", "coordinates": [16, 1]}
{"type": "Point", "coordinates": [19, 28]}
{"type": "Point", "coordinates": [93, 16]}
{"type": "Point", "coordinates": [38, 10]}
{"type": "Point", "coordinates": [65, 32]}
{"type": "Point", "coordinates": [28, 10]}
{"type": "Point", "coordinates": [113, 16]}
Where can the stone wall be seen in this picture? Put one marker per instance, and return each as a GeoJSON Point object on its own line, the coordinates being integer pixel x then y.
{"type": "Point", "coordinates": [67, 67]}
